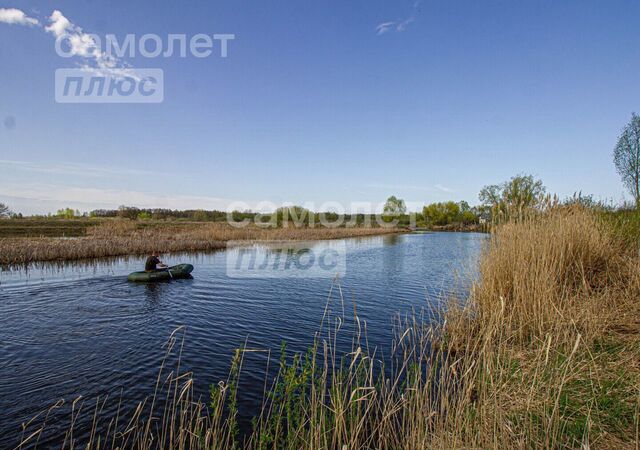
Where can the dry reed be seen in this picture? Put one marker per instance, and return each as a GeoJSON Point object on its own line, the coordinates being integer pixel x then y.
{"type": "Point", "coordinates": [123, 237]}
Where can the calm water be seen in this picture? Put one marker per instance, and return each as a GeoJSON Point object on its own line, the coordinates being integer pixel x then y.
{"type": "Point", "coordinates": [84, 330]}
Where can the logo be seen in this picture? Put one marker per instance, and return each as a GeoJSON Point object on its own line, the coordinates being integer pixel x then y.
{"type": "Point", "coordinates": [92, 86]}
{"type": "Point", "coordinates": [286, 260]}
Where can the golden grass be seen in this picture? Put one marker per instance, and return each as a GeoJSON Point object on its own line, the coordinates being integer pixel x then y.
{"type": "Point", "coordinates": [549, 334]}
{"type": "Point", "coordinates": [543, 354]}
{"type": "Point", "coordinates": [124, 237]}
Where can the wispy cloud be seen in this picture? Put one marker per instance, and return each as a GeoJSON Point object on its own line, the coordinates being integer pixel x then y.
{"type": "Point", "coordinates": [42, 198]}
{"type": "Point", "coordinates": [444, 189]}
{"type": "Point", "coordinates": [403, 25]}
{"type": "Point", "coordinates": [70, 169]}
{"type": "Point", "coordinates": [399, 25]}
{"type": "Point", "coordinates": [81, 44]}
{"type": "Point", "coordinates": [86, 187]}
{"type": "Point", "coordinates": [384, 27]}
{"type": "Point", "coordinates": [14, 16]}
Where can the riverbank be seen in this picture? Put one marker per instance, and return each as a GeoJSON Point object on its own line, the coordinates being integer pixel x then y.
{"type": "Point", "coordinates": [456, 227]}
{"type": "Point", "coordinates": [547, 347]}
{"type": "Point", "coordinates": [108, 238]}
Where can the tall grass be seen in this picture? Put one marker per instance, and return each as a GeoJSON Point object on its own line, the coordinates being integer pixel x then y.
{"type": "Point", "coordinates": [548, 334]}
{"type": "Point", "coordinates": [544, 353]}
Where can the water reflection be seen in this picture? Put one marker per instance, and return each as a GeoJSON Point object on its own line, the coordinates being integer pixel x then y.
{"type": "Point", "coordinates": [392, 239]}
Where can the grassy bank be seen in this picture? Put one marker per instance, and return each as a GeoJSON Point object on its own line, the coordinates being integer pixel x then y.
{"type": "Point", "coordinates": [105, 238]}
{"type": "Point", "coordinates": [544, 353]}
{"type": "Point", "coordinates": [466, 228]}
{"type": "Point", "coordinates": [46, 227]}
{"type": "Point", "coordinates": [550, 338]}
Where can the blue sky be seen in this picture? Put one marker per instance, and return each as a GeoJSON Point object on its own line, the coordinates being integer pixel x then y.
{"type": "Point", "coordinates": [344, 101]}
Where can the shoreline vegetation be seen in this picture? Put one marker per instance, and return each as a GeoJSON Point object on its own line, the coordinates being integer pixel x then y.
{"type": "Point", "coordinates": [129, 231]}
{"type": "Point", "coordinates": [543, 353]}
{"type": "Point", "coordinates": [91, 238]}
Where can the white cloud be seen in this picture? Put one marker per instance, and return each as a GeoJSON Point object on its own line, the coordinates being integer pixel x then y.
{"type": "Point", "coordinates": [59, 24]}
{"type": "Point", "coordinates": [84, 45]}
{"type": "Point", "coordinates": [14, 16]}
{"type": "Point", "coordinates": [80, 44]}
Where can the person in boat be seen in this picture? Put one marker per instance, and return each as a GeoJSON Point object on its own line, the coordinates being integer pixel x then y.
{"type": "Point", "coordinates": [154, 264]}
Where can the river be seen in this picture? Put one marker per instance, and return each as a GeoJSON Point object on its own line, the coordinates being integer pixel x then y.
{"type": "Point", "coordinates": [83, 329]}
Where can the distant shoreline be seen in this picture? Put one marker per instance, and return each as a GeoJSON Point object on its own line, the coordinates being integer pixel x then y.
{"type": "Point", "coordinates": [456, 228]}
{"type": "Point", "coordinates": [83, 240]}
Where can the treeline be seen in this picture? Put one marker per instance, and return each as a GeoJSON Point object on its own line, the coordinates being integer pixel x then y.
{"type": "Point", "coordinates": [133, 213]}
{"type": "Point", "coordinates": [519, 197]}
{"type": "Point", "coordinates": [297, 214]}
{"type": "Point", "coordinates": [452, 213]}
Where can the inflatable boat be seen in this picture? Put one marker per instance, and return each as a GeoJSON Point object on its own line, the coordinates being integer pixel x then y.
{"type": "Point", "coordinates": [179, 271]}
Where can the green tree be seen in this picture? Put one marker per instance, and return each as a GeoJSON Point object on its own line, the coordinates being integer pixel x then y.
{"type": "Point", "coordinates": [4, 210]}
{"type": "Point", "coordinates": [144, 215]}
{"type": "Point", "coordinates": [626, 157]}
{"type": "Point", "coordinates": [464, 206]}
{"type": "Point", "coordinates": [127, 212]}
{"type": "Point", "coordinates": [394, 207]}
{"type": "Point", "coordinates": [586, 201]}
{"type": "Point", "coordinates": [294, 214]}
{"type": "Point", "coordinates": [200, 215]}
{"type": "Point", "coordinates": [67, 213]}
{"type": "Point", "coordinates": [513, 197]}
{"type": "Point", "coordinates": [468, 217]}
{"type": "Point", "coordinates": [442, 213]}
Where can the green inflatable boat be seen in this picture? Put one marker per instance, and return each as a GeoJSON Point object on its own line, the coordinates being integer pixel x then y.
{"type": "Point", "coordinates": [179, 271]}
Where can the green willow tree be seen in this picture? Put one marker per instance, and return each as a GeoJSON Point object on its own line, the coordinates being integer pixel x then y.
{"type": "Point", "coordinates": [626, 157]}
{"type": "Point", "coordinates": [68, 213]}
{"type": "Point", "coordinates": [394, 207]}
{"type": "Point", "coordinates": [511, 199]}
{"type": "Point", "coordinates": [443, 213]}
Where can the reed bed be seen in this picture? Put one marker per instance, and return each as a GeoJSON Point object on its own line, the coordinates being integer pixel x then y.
{"type": "Point", "coordinates": [123, 237]}
{"type": "Point", "coordinates": [544, 353]}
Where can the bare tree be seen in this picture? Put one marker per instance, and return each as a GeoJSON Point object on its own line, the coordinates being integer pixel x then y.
{"type": "Point", "coordinates": [626, 157]}
{"type": "Point", "coordinates": [4, 210]}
